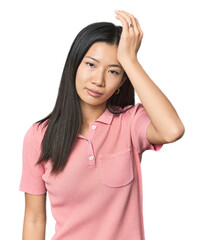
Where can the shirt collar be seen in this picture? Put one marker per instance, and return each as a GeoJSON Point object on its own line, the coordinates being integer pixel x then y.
{"type": "Point", "coordinates": [106, 118]}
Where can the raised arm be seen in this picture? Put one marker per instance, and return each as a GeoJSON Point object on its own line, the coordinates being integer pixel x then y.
{"type": "Point", "coordinates": [165, 125]}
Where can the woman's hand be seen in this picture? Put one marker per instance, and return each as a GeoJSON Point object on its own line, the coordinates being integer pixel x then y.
{"type": "Point", "coordinates": [130, 39]}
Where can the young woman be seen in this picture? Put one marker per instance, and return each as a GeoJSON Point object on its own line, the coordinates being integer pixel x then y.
{"type": "Point", "coordinates": [86, 153]}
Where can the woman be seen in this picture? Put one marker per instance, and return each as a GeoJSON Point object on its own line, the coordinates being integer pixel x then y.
{"type": "Point", "coordinates": [87, 152]}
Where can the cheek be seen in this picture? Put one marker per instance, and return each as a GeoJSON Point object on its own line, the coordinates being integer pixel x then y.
{"type": "Point", "coordinates": [113, 84]}
{"type": "Point", "coordinates": [78, 82]}
{"type": "Point", "coordinates": [81, 78]}
{"type": "Point", "coordinates": [111, 88]}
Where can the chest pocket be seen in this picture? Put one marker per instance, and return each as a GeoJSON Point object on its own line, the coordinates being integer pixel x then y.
{"type": "Point", "coordinates": [116, 169]}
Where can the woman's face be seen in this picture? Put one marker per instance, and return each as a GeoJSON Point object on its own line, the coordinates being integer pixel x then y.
{"type": "Point", "coordinates": [99, 71]}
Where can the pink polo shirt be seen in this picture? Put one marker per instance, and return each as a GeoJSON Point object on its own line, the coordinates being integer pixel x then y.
{"type": "Point", "coordinates": [98, 196]}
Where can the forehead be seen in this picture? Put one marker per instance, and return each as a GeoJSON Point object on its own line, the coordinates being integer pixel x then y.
{"type": "Point", "coordinates": [103, 52]}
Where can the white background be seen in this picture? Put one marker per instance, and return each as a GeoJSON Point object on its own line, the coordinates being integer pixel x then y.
{"type": "Point", "coordinates": [35, 40]}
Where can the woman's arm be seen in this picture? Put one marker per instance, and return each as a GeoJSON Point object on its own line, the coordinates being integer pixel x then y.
{"type": "Point", "coordinates": [164, 118]}
{"type": "Point", "coordinates": [166, 125]}
{"type": "Point", "coordinates": [35, 217]}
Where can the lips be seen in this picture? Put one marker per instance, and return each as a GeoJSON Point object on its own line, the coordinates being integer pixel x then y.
{"type": "Point", "coordinates": [94, 91]}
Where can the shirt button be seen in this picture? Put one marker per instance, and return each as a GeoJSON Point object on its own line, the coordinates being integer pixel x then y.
{"type": "Point", "coordinates": [91, 158]}
{"type": "Point", "coordinates": [87, 142]}
{"type": "Point", "coordinates": [94, 127]}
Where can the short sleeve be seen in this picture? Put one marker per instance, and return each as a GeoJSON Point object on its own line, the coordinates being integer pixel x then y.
{"type": "Point", "coordinates": [139, 123]}
{"type": "Point", "coordinates": [31, 178]}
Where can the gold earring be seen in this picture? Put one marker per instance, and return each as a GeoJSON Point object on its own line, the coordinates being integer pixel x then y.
{"type": "Point", "coordinates": [118, 90]}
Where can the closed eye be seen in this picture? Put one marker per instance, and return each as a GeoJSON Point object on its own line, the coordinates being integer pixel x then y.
{"type": "Point", "coordinates": [92, 65]}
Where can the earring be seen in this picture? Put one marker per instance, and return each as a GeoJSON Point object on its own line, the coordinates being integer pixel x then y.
{"type": "Point", "coordinates": [118, 90]}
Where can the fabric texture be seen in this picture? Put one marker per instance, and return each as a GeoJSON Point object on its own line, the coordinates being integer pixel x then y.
{"type": "Point", "coordinates": [99, 194]}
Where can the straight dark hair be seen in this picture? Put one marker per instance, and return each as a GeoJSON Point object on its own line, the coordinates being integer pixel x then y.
{"type": "Point", "coordinates": [64, 122]}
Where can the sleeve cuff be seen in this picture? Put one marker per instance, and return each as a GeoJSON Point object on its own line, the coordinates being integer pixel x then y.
{"type": "Point", "coordinates": [148, 145]}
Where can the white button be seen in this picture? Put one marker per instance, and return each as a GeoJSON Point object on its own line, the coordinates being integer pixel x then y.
{"type": "Point", "coordinates": [91, 158]}
{"type": "Point", "coordinates": [93, 127]}
{"type": "Point", "coordinates": [87, 142]}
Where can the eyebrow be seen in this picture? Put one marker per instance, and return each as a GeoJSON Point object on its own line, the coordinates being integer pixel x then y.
{"type": "Point", "coordinates": [111, 65]}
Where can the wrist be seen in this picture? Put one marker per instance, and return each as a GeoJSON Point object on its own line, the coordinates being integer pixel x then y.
{"type": "Point", "coordinates": [129, 62]}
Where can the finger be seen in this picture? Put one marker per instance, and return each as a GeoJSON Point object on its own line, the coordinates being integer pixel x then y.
{"type": "Point", "coordinates": [124, 23]}
{"type": "Point", "coordinates": [138, 25]}
{"type": "Point", "coordinates": [128, 20]}
{"type": "Point", "coordinates": [137, 28]}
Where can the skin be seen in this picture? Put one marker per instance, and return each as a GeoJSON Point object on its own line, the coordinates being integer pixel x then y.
{"type": "Point", "coordinates": [98, 76]}
{"type": "Point", "coordinates": [165, 125]}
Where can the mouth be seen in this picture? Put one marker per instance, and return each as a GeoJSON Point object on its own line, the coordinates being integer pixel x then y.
{"type": "Point", "coordinates": [93, 93]}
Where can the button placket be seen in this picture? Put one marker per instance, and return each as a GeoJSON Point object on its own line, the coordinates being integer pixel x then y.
{"type": "Point", "coordinates": [90, 152]}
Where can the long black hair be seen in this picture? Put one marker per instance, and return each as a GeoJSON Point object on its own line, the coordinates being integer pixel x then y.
{"type": "Point", "coordinates": [64, 122]}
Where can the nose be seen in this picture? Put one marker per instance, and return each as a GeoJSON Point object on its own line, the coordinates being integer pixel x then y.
{"type": "Point", "coordinates": [99, 77]}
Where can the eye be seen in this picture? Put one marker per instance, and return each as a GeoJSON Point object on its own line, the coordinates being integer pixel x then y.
{"type": "Point", "coordinates": [90, 64]}
{"type": "Point", "coordinates": [114, 72]}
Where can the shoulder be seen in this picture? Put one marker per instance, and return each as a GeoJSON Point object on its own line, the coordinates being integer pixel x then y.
{"type": "Point", "coordinates": [132, 110]}
{"type": "Point", "coordinates": [35, 133]}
